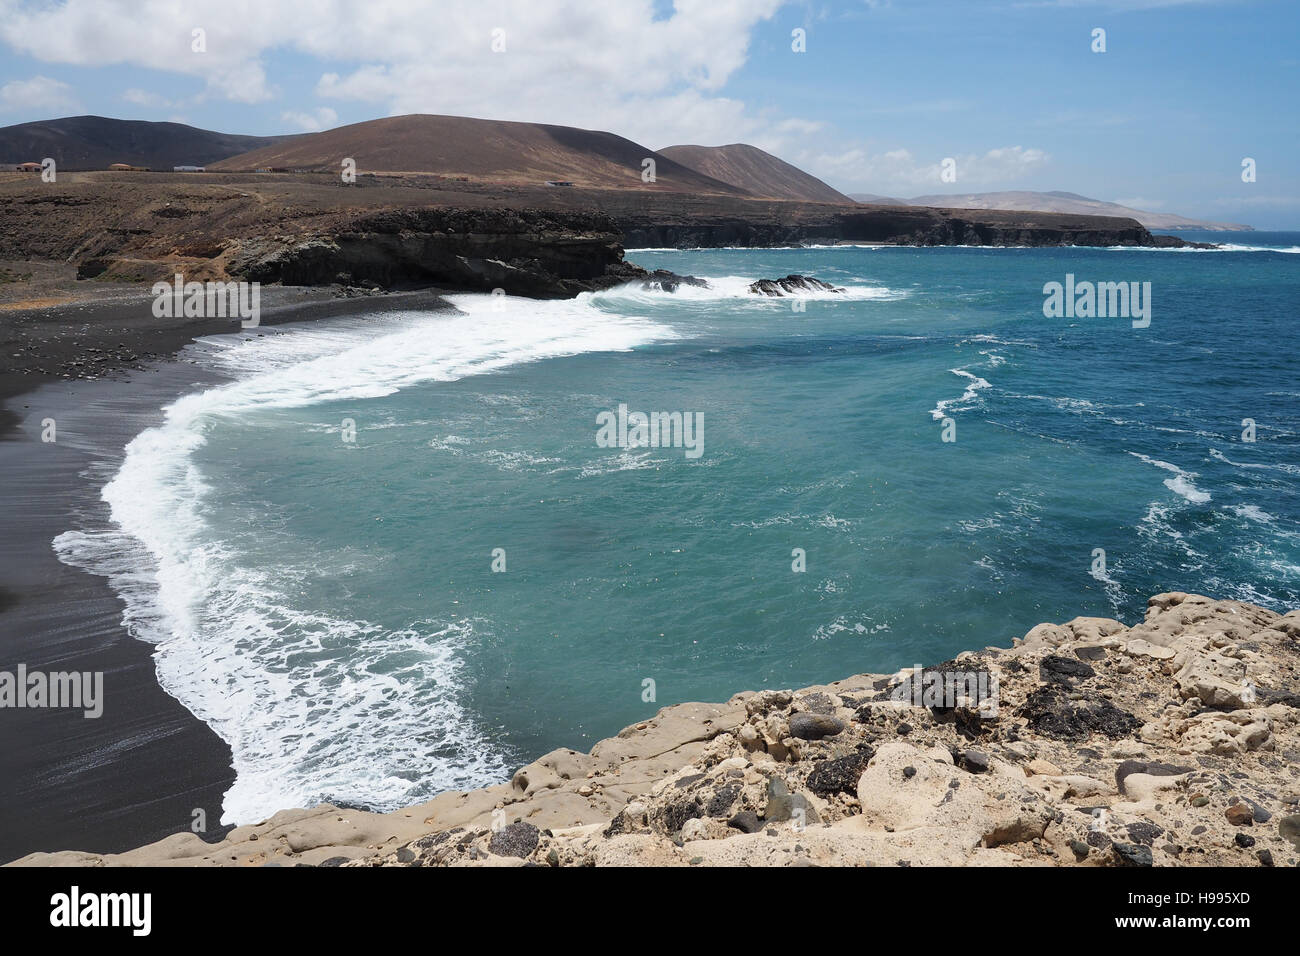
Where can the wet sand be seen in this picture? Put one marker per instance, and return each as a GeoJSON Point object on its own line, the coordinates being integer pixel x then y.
{"type": "Point", "coordinates": [140, 771]}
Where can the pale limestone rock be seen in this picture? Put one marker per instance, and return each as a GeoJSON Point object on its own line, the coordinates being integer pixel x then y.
{"type": "Point", "coordinates": [1042, 767]}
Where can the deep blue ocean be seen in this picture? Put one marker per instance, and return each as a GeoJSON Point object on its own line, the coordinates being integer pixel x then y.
{"type": "Point", "coordinates": [311, 545]}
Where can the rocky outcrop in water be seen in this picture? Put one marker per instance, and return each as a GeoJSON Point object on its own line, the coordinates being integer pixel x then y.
{"type": "Point", "coordinates": [791, 285]}
{"type": "Point", "coordinates": [1174, 742]}
{"type": "Point", "coordinates": [661, 280]}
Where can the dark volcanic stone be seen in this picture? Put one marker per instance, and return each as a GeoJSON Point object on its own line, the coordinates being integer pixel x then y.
{"type": "Point", "coordinates": [909, 773]}
{"type": "Point", "coordinates": [1080, 848]}
{"type": "Point", "coordinates": [940, 687]}
{"type": "Point", "coordinates": [516, 839]}
{"type": "Point", "coordinates": [617, 825]}
{"type": "Point", "coordinates": [1265, 857]}
{"type": "Point", "coordinates": [1051, 714]}
{"type": "Point", "coordinates": [1258, 813]}
{"type": "Point", "coordinates": [722, 800]}
{"type": "Point", "coordinates": [746, 821]}
{"type": "Point", "coordinates": [1090, 653]}
{"type": "Point", "coordinates": [1063, 670]}
{"type": "Point", "coordinates": [791, 285]}
{"type": "Point", "coordinates": [819, 704]}
{"type": "Point", "coordinates": [667, 281]}
{"type": "Point", "coordinates": [672, 817]}
{"type": "Point", "coordinates": [975, 761]}
{"type": "Point", "coordinates": [904, 729]}
{"type": "Point", "coordinates": [838, 776]}
{"type": "Point", "coordinates": [1245, 842]}
{"type": "Point", "coordinates": [1144, 833]}
{"type": "Point", "coordinates": [1129, 854]}
{"type": "Point", "coordinates": [1098, 839]}
{"type": "Point", "coordinates": [814, 726]}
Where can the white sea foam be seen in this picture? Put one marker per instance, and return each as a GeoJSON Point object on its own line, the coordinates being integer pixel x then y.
{"type": "Point", "coordinates": [1281, 466]}
{"type": "Point", "coordinates": [737, 288]}
{"type": "Point", "coordinates": [1253, 513]}
{"type": "Point", "coordinates": [976, 386]}
{"type": "Point", "coordinates": [842, 625]}
{"type": "Point", "coordinates": [1222, 247]}
{"type": "Point", "coordinates": [1181, 484]}
{"type": "Point", "coordinates": [231, 644]}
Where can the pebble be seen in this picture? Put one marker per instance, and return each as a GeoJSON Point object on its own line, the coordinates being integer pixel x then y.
{"type": "Point", "coordinates": [814, 726]}
{"type": "Point", "coordinates": [1245, 842]}
{"type": "Point", "coordinates": [975, 761]}
{"type": "Point", "coordinates": [1239, 815]}
{"type": "Point", "coordinates": [1130, 854]}
{"type": "Point", "coordinates": [1289, 828]}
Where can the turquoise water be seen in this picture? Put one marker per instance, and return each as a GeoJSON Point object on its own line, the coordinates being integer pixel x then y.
{"type": "Point", "coordinates": [329, 605]}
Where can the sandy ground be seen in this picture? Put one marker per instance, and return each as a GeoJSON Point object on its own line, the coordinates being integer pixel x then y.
{"type": "Point", "coordinates": [139, 772]}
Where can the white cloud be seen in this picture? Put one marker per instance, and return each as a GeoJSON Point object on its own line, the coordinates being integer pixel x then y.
{"type": "Point", "coordinates": [145, 98]}
{"type": "Point", "coordinates": [38, 93]}
{"type": "Point", "coordinates": [859, 171]}
{"type": "Point", "coordinates": [323, 118]}
{"type": "Point", "coordinates": [601, 65]}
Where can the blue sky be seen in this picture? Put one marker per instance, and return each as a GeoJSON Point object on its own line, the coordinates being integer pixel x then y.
{"type": "Point", "coordinates": [885, 91]}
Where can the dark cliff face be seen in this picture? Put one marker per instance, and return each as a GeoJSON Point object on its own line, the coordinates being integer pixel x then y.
{"type": "Point", "coordinates": [895, 225]}
{"type": "Point", "coordinates": [524, 252]}
{"type": "Point", "coordinates": [554, 254]}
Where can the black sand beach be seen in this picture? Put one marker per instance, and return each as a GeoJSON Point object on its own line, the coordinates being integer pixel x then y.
{"type": "Point", "coordinates": [140, 771]}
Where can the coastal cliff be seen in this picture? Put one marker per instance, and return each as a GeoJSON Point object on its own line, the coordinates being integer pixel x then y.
{"type": "Point", "coordinates": [1173, 742]}
{"type": "Point", "coordinates": [394, 232]}
{"type": "Point", "coordinates": [890, 225]}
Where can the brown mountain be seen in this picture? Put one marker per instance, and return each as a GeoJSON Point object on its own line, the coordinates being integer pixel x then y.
{"type": "Point", "coordinates": [755, 171]}
{"type": "Point", "coordinates": [93, 142]}
{"type": "Point", "coordinates": [481, 151]}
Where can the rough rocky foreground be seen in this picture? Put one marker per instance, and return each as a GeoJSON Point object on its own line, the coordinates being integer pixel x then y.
{"type": "Point", "coordinates": [1170, 743]}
